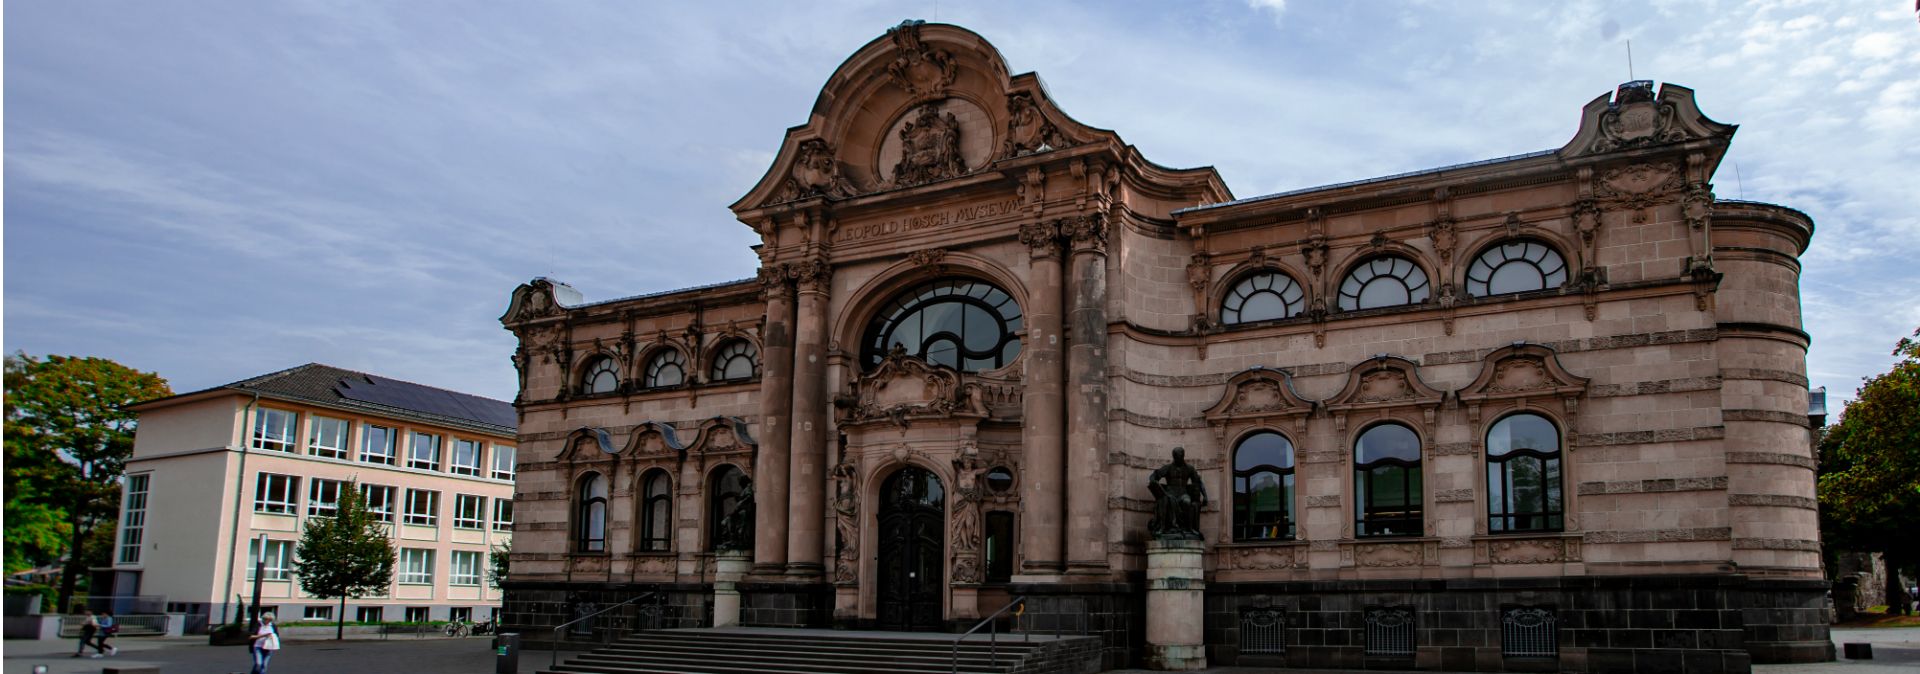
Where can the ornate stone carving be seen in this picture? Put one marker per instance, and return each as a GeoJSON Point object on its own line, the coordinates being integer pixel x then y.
{"type": "Point", "coordinates": [1697, 206]}
{"type": "Point", "coordinates": [736, 528]}
{"type": "Point", "coordinates": [816, 173]}
{"type": "Point", "coordinates": [1635, 119]}
{"type": "Point", "coordinates": [903, 388]}
{"type": "Point", "coordinates": [1178, 497]}
{"type": "Point", "coordinates": [773, 279]}
{"type": "Point", "coordinates": [1199, 272]}
{"type": "Point", "coordinates": [1028, 130]}
{"type": "Point", "coordinates": [846, 519]}
{"type": "Point", "coordinates": [1637, 187]}
{"type": "Point", "coordinates": [1586, 223]}
{"type": "Point", "coordinates": [1258, 394]}
{"type": "Point", "coordinates": [1388, 555]}
{"type": "Point", "coordinates": [929, 148]}
{"type": "Point", "coordinates": [654, 565]}
{"type": "Point", "coordinates": [1384, 381]}
{"type": "Point", "coordinates": [812, 273]}
{"type": "Point", "coordinates": [1522, 371]}
{"type": "Point", "coordinates": [1042, 238]}
{"type": "Point", "coordinates": [1527, 551]}
{"type": "Point", "coordinates": [1259, 559]}
{"type": "Point", "coordinates": [1443, 236]}
{"type": "Point", "coordinates": [927, 257]}
{"type": "Point", "coordinates": [921, 69]}
{"type": "Point", "coordinates": [1518, 374]}
{"type": "Point", "coordinates": [1088, 232]}
{"type": "Point", "coordinates": [1384, 385]}
{"type": "Point", "coordinates": [1315, 250]}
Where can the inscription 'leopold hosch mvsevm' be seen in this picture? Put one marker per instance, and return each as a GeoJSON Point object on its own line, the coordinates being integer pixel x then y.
{"type": "Point", "coordinates": [914, 223]}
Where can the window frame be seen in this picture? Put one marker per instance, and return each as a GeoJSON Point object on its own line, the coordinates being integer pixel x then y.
{"type": "Point", "coordinates": [660, 359]}
{"type": "Point", "coordinates": [289, 432]}
{"type": "Point", "coordinates": [511, 454]}
{"type": "Point", "coordinates": [722, 498]}
{"type": "Point", "coordinates": [912, 303]}
{"type": "Point", "coordinates": [317, 505]}
{"type": "Point", "coordinates": [133, 517]}
{"type": "Point", "coordinates": [1367, 515]}
{"type": "Point", "coordinates": [1553, 468]}
{"type": "Point", "coordinates": [653, 502]}
{"type": "Point", "coordinates": [362, 613]}
{"type": "Point", "coordinates": [1484, 286]}
{"type": "Point", "coordinates": [590, 377]}
{"type": "Point", "coordinates": [455, 576]}
{"type": "Point", "coordinates": [389, 494]}
{"type": "Point", "coordinates": [288, 491]}
{"type": "Point", "coordinates": [315, 422]}
{"type": "Point", "coordinates": [998, 561]}
{"type": "Point", "coordinates": [279, 559]}
{"type": "Point", "coordinates": [415, 566]}
{"type": "Point", "coordinates": [432, 462]}
{"type": "Point", "coordinates": [316, 612]}
{"type": "Point", "coordinates": [502, 523]}
{"type": "Point", "coordinates": [418, 614]}
{"type": "Point", "coordinates": [475, 449]}
{"type": "Point", "coordinates": [478, 519]}
{"type": "Point", "coordinates": [590, 514]}
{"type": "Point", "coordinates": [1241, 291]}
{"type": "Point", "coordinates": [1424, 289]}
{"type": "Point", "coordinates": [388, 456]}
{"type": "Point", "coordinates": [730, 352]}
{"type": "Point", "coordinates": [412, 517]}
{"type": "Point", "coordinates": [1245, 529]}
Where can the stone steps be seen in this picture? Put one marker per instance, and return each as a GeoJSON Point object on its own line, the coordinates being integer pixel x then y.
{"type": "Point", "coordinates": [727, 651]}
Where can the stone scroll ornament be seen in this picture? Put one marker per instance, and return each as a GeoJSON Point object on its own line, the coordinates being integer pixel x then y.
{"type": "Point", "coordinates": [1178, 496]}
{"type": "Point", "coordinates": [736, 529]}
{"type": "Point", "coordinates": [816, 173]}
{"type": "Point", "coordinates": [929, 148]}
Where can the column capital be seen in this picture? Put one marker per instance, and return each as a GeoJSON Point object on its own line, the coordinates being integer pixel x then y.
{"type": "Point", "coordinates": [811, 274]}
{"type": "Point", "coordinates": [1042, 238]}
{"type": "Point", "coordinates": [773, 280]}
{"type": "Point", "coordinates": [1087, 232]}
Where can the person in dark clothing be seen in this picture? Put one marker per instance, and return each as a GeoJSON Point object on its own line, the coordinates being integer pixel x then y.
{"type": "Point", "coordinates": [87, 631]}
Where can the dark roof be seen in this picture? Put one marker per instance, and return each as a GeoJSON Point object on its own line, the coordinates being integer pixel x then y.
{"type": "Point", "coordinates": [373, 394]}
{"type": "Point", "coordinates": [1368, 181]}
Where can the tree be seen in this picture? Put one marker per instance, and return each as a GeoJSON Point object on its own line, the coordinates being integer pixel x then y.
{"type": "Point", "coordinates": [1870, 471]}
{"type": "Point", "coordinates": [346, 556]}
{"type": "Point", "coordinates": [497, 563]}
{"type": "Point", "coordinates": [68, 436]}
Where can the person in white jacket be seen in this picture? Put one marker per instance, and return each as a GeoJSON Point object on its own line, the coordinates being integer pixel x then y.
{"type": "Point", "coordinates": [264, 643]}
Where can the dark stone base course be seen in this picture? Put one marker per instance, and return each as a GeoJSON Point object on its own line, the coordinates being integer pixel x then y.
{"type": "Point", "coordinates": [785, 605]}
{"type": "Point", "coordinates": [1110, 612]}
{"type": "Point", "coordinates": [533, 609]}
{"type": "Point", "coordinates": [1606, 624]}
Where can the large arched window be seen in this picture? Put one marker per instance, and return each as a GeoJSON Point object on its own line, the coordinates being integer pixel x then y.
{"type": "Point", "coordinates": [964, 324]}
{"type": "Point", "coordinates": [1262, 296]}
{"type": "Point", "coordinates": [656, 511]}
{"type": "Point", "coordinates": [590, 523]}
{"type": "Point", "coordinates": [1263, 488]}
{"type": "Point", "coordinates": [735, 361]}
{"type": "Point", "coordinates": [1386, 482]}
{"type": "Point", "coordinates": [1523, 475]}
{"type": "Point", "coordinates": [666, 368]}
{"type": "Point", "coordinates": [1387, 281]}
{"type": "Point", "coordinates": [602, 376]}
{"type": "Point", "coordinates": [1515, 267]}
{"type": "Point", "coordinates": [723, 495]}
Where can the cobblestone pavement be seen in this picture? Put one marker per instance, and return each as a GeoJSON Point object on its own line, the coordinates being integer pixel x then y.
{"type": "Point", "coordinates": [194, 656]}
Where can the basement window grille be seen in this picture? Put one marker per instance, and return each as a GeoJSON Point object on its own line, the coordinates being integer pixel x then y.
{"type": "Point", "coordinates": [1263, 631]}
{"type": "Point", "coordinates": [1528, 632]}
{"type": "Point", "coordinates": [1389, 630]}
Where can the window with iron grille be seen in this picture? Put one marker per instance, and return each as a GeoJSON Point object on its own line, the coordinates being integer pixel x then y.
{"type": "Point", "coordinates": [1529, 632]}
{"type": "Point", "coordinates": [1389, 630]}
{"type": "Point", "coordinates": [1263, 630]}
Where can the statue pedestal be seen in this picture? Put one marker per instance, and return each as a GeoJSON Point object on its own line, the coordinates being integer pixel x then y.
{"type": "Point", "coordinates": [1176, 589]}
{"type": "Point", "coordinates": [730, 566]}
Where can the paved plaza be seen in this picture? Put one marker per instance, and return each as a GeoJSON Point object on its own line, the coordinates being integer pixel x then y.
{"type": "Point", "coordinates": [1895, 650]}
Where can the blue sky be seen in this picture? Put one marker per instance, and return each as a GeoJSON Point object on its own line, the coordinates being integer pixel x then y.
{"type": "Point", "coordinates": [213, 190]}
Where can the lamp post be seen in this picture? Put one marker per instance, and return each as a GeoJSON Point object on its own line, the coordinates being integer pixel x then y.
{"type": "Point", "coordinates": [259, 574]}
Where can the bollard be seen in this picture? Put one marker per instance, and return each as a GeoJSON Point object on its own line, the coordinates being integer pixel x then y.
{"type": "Point", "coordinates": [1859, 651]}
{"type": "Point", "coordinates": [506, 653]}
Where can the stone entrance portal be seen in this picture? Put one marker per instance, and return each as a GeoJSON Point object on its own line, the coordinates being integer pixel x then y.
{"type": "Point", "coordinates": [912, 531]}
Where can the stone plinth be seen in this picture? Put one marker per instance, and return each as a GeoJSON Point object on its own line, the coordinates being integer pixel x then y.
{"type": "Point", "coordinates": [729, 567]}
{"type": "Point", "coordinates": [1175, 608]}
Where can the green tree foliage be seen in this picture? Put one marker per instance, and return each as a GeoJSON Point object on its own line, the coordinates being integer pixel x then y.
{"type": "Point", "coordinates": [68, 436]}
{"type": "Point", "coordinates": [347, 556]}
{"type": "Point", "coordinates": [497, 563]}
{"type": "Point", "coordinates": [1870, 471]}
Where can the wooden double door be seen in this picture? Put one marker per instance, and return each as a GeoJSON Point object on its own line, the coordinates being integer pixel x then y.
{"type": "Point", "coordinates": [912, 536]}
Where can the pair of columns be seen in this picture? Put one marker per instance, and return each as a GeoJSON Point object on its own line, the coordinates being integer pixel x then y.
{"type": "Point", "coordinates": [790, 469]}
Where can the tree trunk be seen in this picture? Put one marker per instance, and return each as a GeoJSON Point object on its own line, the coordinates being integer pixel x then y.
{"type": "Point", "coordinates": [70, 573]}
{"type": "Point", "coordinates": [340, 626]}
{"type": "Point", "coordinates": [1898, 603]}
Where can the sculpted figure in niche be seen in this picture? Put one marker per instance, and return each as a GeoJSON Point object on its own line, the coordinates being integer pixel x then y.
{"type": "Point", "coordinates": [736, 529]}
{"type": "Point", "coordinates": [1178, 496]}
{"type": "Point", "coordinates": [929, 148]}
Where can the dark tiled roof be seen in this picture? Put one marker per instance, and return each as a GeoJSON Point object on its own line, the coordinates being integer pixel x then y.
{"type": "Point", "coordinates": [374, 394]}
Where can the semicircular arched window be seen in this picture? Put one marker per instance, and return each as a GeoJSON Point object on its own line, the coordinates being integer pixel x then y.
{"type": "Point", "coordinates": [1263, 488]}
{"type": "Point", "coordinates": [1515, 267]}
{"type": "Point", "coordinates": [1523, 475]}
{"type": "Point", "coordinates": [1387, 281]}
{"type": "Point", "coordinates": [602, 376]}
{"type": "Point", "coordinates": [656, 511]}
{"type": "Point", "coordinates": [1386, 482]}
{"type": "Point", "coordinates": [964, 324]}
{"type": "Point", "coordinates": [665, 369]}
{"type": "Point", "coordinates": [1262, 296]}
{"type": "Point", "coordinates": [737, 360]}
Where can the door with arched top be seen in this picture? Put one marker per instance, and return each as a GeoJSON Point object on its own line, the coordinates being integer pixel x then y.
{"type": "Point", "coordinates": [912, 530]}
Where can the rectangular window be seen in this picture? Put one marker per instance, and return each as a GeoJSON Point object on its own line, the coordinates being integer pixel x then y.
{"type": "Point", "coordinates": [503, 515]}
{"type": "Point", "coordinates": [466, 457]}
{"type": "Point", "coordinates": [416, 566]}
{"type": "Point", "coordinates": [379, 501]}
{"type": "Point", "coordinates": [133, 523]}
{"type": "Point", "coordinates": [466, 568]}
{"type": "Point", "coordinates": [366, 614]}
{"type": "Point", "coordinates": [469, 511]}
{"type": "Point", "coordinates": [461, 613]}
{"type": "Point", "coordinates": [323, 497]}
{"type": "Point", "coordinates": [327, 437]}
{"type": "Point", "coordinates": [423, 507]}
{"type": "Point", "coordinates": [274, 429]}
{"type": "Point", "coordinates": [376, 444]}
{"type": "Point", "coordinates": [277, 494]}
{"type": "Point", "coordinates": [419, 614]}
{"type": "Point", "coordinates": [423, 451]}
{"type": "Point", "coordinates": [502, 462]}
{"type": "Point", "coordinates": [999, 547]}
{"type": "Point", "coordinates": [279, 559]}
{"type": "Point", "coordinates": [317, 613]}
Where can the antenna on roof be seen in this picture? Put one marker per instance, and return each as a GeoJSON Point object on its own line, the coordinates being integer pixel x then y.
{"type": "Point", "coordinates": [1739, 184]}
{"type": "Point", "coordinates": [1630, 60]}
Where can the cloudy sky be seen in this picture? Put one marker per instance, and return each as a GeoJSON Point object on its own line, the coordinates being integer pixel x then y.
{"type": "Point", "coordinates": [213, 190]}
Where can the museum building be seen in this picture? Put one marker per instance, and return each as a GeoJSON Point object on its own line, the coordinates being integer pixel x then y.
{"type": "Point", "coordinates": [1542, 412]}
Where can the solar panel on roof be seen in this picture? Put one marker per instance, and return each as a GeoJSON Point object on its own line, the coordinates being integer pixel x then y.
{"type": "Point", "coordinates": [409, 396]}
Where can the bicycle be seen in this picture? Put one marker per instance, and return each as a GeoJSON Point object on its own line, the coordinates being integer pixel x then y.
{"type": "Point", "coordinates": [458, 629]}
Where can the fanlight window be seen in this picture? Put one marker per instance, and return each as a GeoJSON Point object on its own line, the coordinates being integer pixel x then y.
{"type": "Point", "coordinates": [1523, 475]}
{"type": "Point", "coordinates": [1515, 267]}
{"type": "Point", "coordinates": [735, 361]}
{"type": "Point", "coordinates": [603, 376]}
{"type": "Point", "coordinates": [1384, 282]}
{"type": "Point", "coordinates": [667, 368]}
{"type": "Point", "coordinates": [591, 521]}
{"type": "Point", "coordinates": [1386, 482]}
{"type": "Point", "coordinates": [656, 512]}
{"type": "Point", "coordinates": [1263, 488]}
{"type": "Point", "coordinates": [727, 483]}
{"type": "Point", "coordinates": [1262, 296]}
{"type": "Point", "coordinates": [964, 324]}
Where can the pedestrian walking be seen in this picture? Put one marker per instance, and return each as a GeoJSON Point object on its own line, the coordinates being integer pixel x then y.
{"type": "Point", "coordinates": [264, 643]}
{"type": "Point", "coordinates": [108, 628]}
{"type": "Point", "coordinates": [87, 631]}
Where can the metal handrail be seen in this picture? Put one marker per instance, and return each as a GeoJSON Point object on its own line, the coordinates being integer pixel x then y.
{"type": "Point", "coordinates": [553, 652]}
{"type": "Point", "coordinates": [993, 634]}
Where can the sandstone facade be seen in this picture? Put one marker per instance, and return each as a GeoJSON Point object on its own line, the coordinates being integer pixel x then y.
{"type": "Point", "coordinates": [1116, 309]}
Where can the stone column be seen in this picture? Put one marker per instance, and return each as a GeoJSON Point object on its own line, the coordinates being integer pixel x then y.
{"type": "Point", "coordinates": [730, 566]}
{"type": "Point", "coordinates": [1043, 487]}
{"type": "Point", "coordinates": [1087, 395]}
{"type": "Point", "coordinates": [1175, 596]}
{"type": "Point", "coordinates": [806, 523]}
{"type": "Point", "coordinates": [770, 466]}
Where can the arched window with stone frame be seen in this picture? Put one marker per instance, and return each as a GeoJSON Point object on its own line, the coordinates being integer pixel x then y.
{"type": "Point", "coordinates": [963, 323]}
{"type": "Point", "coordinates": [656, 511]}
{"type": "Point", "coordinates": [1515, 266]}
{"type": "Point", "coordinates": [1384, 281]}
{"type": "Point", "coordinates": [590, 513]}
{"type": "Point", "coordinates": [735, 360]}
{"type": "Point", "coordinates": [601, 375]}
{"type": "Point", "coordinates": [724, 486]}
{"type": "Point", "coordinates": [1263, 510]}
{"type": "Point", "coordinates": [1524, 491]}
{"type": "Point", "coordinates": [1388, 497]}
{"type": "Point", "coordinates": [1262, 295]}
{"type": "Point", "coordinates": [666, 368]}
{"type": "Point", "coordinates": [1529, 405]}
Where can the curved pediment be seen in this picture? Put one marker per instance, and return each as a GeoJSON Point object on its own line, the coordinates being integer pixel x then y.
{"type": "Point", "coordinates": [923, 103]}
{"type": "Point", "coordinates": [1384, 381]}
{"type": "Point", "coordinates": [1519, 371]}
{"type": "Point", "coordinates": [1258, 393]}
{"type": "Point", "coordinates": [655, 439]}
{"type": "Point", "coordinates": [904, 388]}
{"type": "Point", "coordinates": [540, 298]}
{"type": "Point", "coordinates": [724, 434]}
{"type": "Point", "coordinates": [1634, 117]}
{"type": "Point", "coordinates": [589, 444]}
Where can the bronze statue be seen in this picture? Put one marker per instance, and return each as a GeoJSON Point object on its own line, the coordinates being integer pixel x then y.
{"type": "Point", "coordinates": [1178, 496]}
{"type": "Point", "coordinates": [736, 528]}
